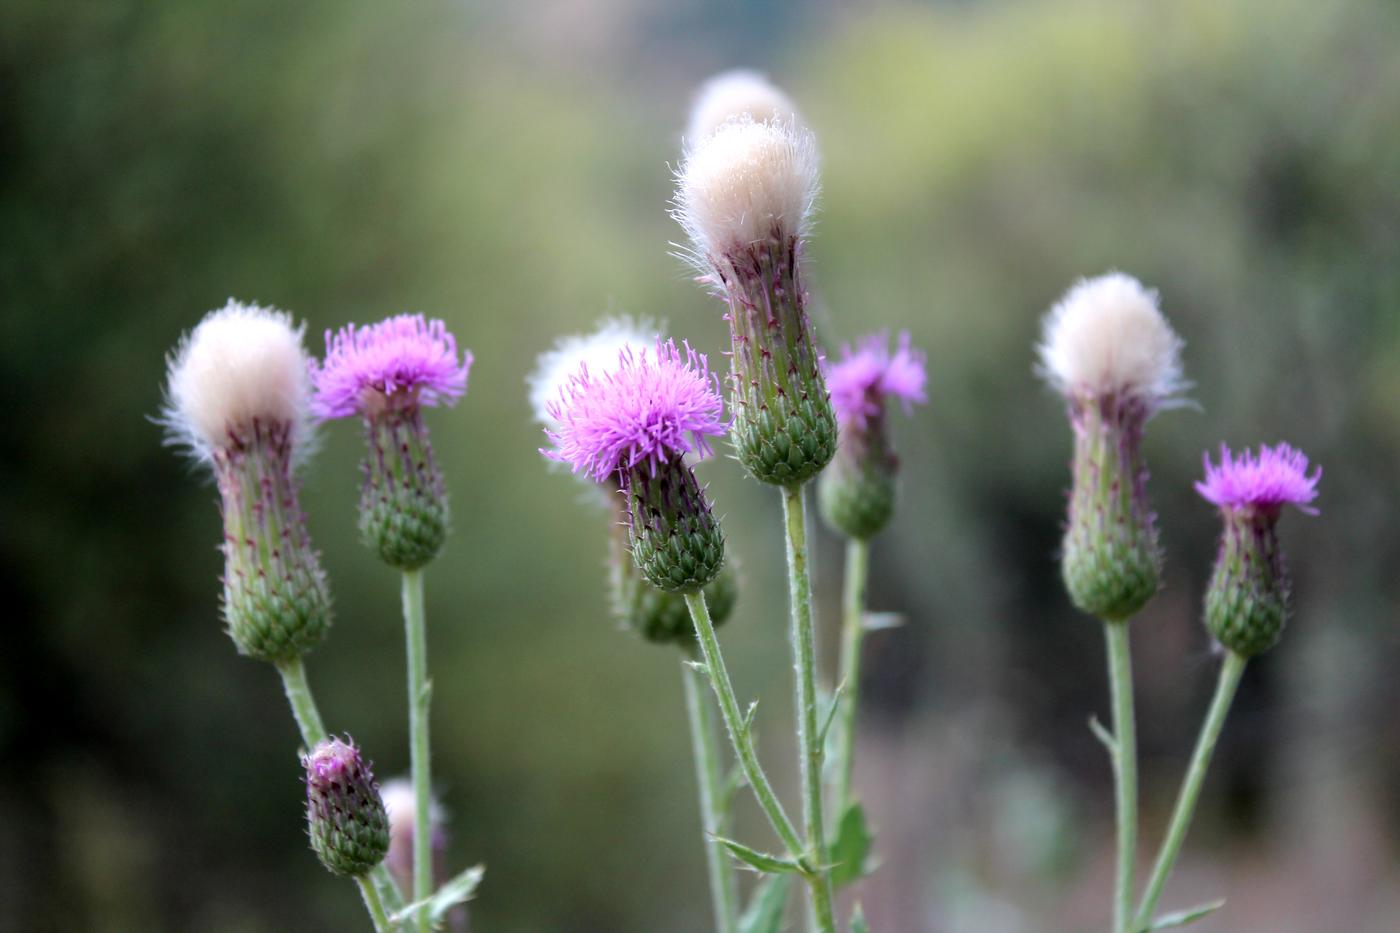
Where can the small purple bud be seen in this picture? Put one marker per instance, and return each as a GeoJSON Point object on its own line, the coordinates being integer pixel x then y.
{"type": "Point", "coordinates": [345, 816]}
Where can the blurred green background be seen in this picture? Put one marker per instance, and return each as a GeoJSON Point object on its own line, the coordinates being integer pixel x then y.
{"type": "Point", "coordinates": [507, 170]}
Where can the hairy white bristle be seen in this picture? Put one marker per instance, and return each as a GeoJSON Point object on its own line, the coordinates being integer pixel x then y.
{"type": "Point", "coordinates": [240, 363]}
{"type": "Point", "coordinates": [598, 350]}
{"type": "Point", "coordinates": [746, 182]}
{"type": "Point", "coordinates": [1107, 336]}
{"type": "Point", "coordinates": [733, 94]}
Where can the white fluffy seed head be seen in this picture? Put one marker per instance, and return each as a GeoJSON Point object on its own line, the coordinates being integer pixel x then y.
{"type": "Point", "coordinates": [1107, 336]}
{"type": "Point", "coordinates": [598, 350]}
{"type": "Point", "coordinates": [746, 182]}
{"type": "Point", "coordinates": [736, 94]}
{"type": "Point", "coordinates": [240, 363]}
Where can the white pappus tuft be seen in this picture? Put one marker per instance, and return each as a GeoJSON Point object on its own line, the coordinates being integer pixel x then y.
{"type": "Point", "coordinates": [1107, 336]}
{"type": "Point", "coordinates": [598, 350]}
{"type": "Point", "coordinates": [242, 362]}
{"type": "Point", "coordinates": [735, 94]}
{"type": "Point", "coordinates": [746, 182]}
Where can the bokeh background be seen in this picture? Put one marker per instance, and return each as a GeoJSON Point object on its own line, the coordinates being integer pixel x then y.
{"type": "Point", "coordinates": [508, 169]}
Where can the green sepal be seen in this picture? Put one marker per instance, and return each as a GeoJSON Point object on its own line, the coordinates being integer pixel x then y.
{"type": "Point", "coordinates": [676, 540]}
{"type": "Point", "coordinates": [765, 911]}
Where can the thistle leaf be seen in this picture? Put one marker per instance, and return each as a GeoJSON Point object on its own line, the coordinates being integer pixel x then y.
{"type": "Point", "coordinates": [848, 852]}
{"type": "Point", "coordinates": [762, 861]}
{"type": "Point", "coordinates": [1185, 917]}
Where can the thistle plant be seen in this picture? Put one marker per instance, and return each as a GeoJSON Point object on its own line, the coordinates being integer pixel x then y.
{"type": "Point", "coordinates": [857, 498]}
{"type": "Point", "coordinates": [345, 817]}
{"type": "Point", "coordinates": [1247, 603]}
{"type": "Point", "coordinates": [238, 397]}
{"type": "Point", "coordinates": [745, 197]}
{"type": "Point", "coordinates": [659, 616]}
{"type": "Point", "coordinates": [386, 374]}
{"type": "Point", "coordinates": [1109, 351]}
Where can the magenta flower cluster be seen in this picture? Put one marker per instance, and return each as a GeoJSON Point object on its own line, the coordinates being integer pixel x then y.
{"type": "Point", "coordinates": [1274, 477]}
{"type": "Point", "coordinates": [405, 358]}
{"type": "Point", "coordinates": [861, 381]}
{"type": "Point", "coordinates": [650, 408]}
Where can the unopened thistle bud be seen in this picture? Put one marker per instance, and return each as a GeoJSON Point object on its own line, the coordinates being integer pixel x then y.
{"type": "Point", "coordinates": [857, 493]}
{"type": "Point", "coordinates": [745, 197]}
{"type": "Point", "coordinates": [1109, 351]}
{"type": "Point", "coordinates": [237, 396]}
{"type": "Point", "coordinates": [634, 426]}
{"type": "Point", "coordinates": [387, 373]}
{"type": "Point", "coordinates": [345, 816]}
{"type": "Point", "coordinates": [736, 94]}
{"type": "Point", "coordinates": [1247, 602]}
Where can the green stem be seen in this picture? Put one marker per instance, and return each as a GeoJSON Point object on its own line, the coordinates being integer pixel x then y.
{"type": "Point", "coordinates": [738, 729]}
{"type": "Point", "coordinates": [419, 694]}
{"type": "Point", "coordinates": [804, 659]}
{"type": "Point", "coordinates": [1230, 673]}
{"type": "Point", "coordinates": [713, 808]}
{"type": "Point", "coordinates": [1120, 677]}
{"type": "Point", "coordinates": [852, 633]}
{"type": "Point", "coordinates": [313, 732]}
{"type": "Point", "coordinates": [373, 904]}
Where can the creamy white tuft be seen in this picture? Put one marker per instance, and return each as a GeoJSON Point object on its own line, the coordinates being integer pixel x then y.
{"type": "Point", "coordinates": [598, 350]}
{"type": "Point", "coordinates": [1107, 336]}
{"type": "Point", "coordinates": [733, 94]}
{"type": "Point", "coordinates": [242, 362]}
{"type": "Point", "coordinates": [747, 182]}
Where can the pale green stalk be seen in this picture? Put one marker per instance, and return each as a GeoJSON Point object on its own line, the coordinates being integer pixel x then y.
{"type": "Point", "coordinates": [713, 808]}
{"type": "Point", "coordinates": [1124, 751]}
{"type": "Point", "coordinates": [419, 694]}
{"type": "Point", "coordinates": [738, 727]}
{"type": "Point", "coordinates": [373, 904]}
{"type": "Point", "coordinates": [852, 634]}
{"type": "Point", "coordinates": [313, 733]}
{"type": "Point", "coordinates": [1230, 673]}
{"type": "Point", "coordinates": [805, 666]}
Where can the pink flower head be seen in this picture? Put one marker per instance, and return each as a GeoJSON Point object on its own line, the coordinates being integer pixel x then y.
{"type": "Point", "coordinates": [405, 358]}
{"type": "Point", "coordinates": [863, 379]}
{"type": "Point", "coordinates": [1275, 477]}
{"type": "Point", "coordinates": [650, 408]}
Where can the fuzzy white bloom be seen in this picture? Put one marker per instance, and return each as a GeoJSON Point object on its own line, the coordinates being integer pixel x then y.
{"type": "Point", "coordinates": [1107, 336]}
{"type": "Point", "coordinates": [599, 351]}
{"type": "Point", "coordinates": [240, 363]}
{"type": "Point", "coordinates": [744, 183]}
{"type": "Point", "coordinates": [737, 93]}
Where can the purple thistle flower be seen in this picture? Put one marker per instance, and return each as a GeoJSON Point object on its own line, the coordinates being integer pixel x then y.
{"type": "Point", "coordinates": [652, 409]}
{"type": "Point", "coordinates": [865, 377]}
{"type": "Point", "coordinates": [1266, 481]}
{"type": "Point", "coordinates": [405, 358]}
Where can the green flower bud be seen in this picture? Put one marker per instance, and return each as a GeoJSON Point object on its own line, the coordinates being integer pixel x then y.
{"type": "Point", "coordinates": [656, 615]}
{"type": "Point", "coordinates": [676, 541]}
{"type": "Point", "coordinates": [1248, 598]}
{"type": "Point", "coordinates": [345, 816]}
{"type": "Point", "coordinates": [403, 503]}
{"type": "Point", "coordinates": [276, 600]}
{"type": "Point", "coordinates": [857, 493]}
{"type": "Point", "coordinates": [1112, 560]}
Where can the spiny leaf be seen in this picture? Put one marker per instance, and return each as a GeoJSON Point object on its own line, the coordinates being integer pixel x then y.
{"type": "Point", "coordinates": [848, 851]}
{"type": "Point", "coordinates": [765, 912]}
{"type": "Point", "coordinates": [1182, 918]}
{"type": "Point", "coordinates": [459, 890]}
{"type": "Point", "coordinates": [773, 864]}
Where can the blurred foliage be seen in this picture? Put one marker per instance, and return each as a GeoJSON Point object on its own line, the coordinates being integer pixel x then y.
{"type": "Point", "coordinates": [350, 160]}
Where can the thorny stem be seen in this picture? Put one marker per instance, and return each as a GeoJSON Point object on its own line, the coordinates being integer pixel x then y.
{"type": "Point", "coordinates": [713, 808]}
{"type": "Point", "coordinates": [419, 695]}
{"type": "Point", "coordinates": [1120, 676]}
{"type": "Point", "coordinates": [1230, 673]}
{"type": "Point", "coordinates": [805, 669]}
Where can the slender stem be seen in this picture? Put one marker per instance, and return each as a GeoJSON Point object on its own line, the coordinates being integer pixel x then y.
{"type": "Point", "coordinates": [738, 729]}
{"type": "Point", "coordinates": [313, 732]}
{"type": "Point", "coordinates": [373, 904]}
{"type": "Point", "coordinates": [1230, 673]}
{"type": "Point", "coordinates": [419, 694]}
{"type": "Point", "coordinates": [713, 809]}
{"type": "Point", "coordinates": [852, 633]}
{"type": "Point", "coordinates": [303, 704]}
{"type": "Point", "coordinates": [1120, 678]}
{"type": "Point", "coordinates": [804, 659]}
